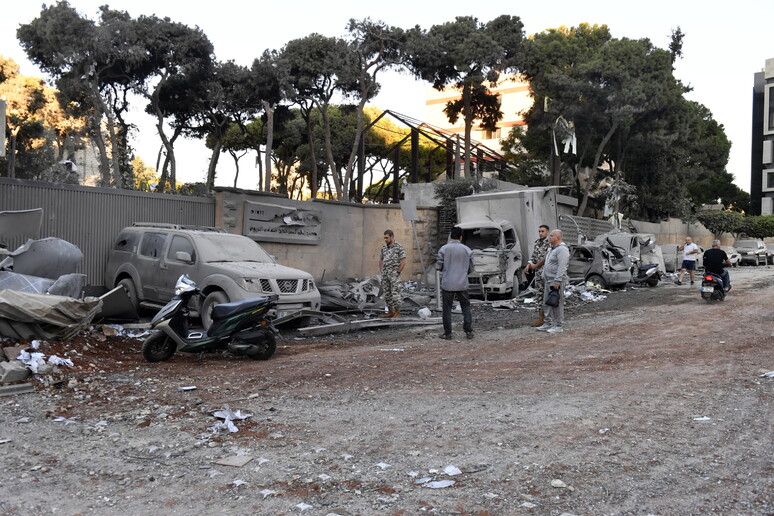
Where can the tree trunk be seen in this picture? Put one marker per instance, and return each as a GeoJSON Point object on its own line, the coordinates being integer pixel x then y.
{"type": "Point", "coordinates": [468, 116]}
{"type": "Point", "coordinates": [334, 172]}
{"type": "Point", "coordinates": [210, 186]}
{"type": "Point", "coordinates": [96, 137]}
{"type": "Point", "coordinates": [307, 114]}
{"type": "Point", "coordinates": [593, 172]}
{"type": "Point", "coordinates": [269, 109]}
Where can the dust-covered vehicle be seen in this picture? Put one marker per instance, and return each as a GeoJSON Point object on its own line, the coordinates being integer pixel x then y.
{"type": "Point", "coordinates": [751, 251]}
{"type": "Point", "coordinates": [600, 265]}
{"type": "Point", "coordinates": [147, 260]}
{"type": "Point", "coordinates": [496, 257]}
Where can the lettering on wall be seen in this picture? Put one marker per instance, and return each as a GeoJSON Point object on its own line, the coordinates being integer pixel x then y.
{"type": "Point", "coordinates": [276, 223]}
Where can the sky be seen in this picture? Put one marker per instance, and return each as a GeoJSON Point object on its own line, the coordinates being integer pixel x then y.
{"type": "Point", "coordinates": [725, 43]}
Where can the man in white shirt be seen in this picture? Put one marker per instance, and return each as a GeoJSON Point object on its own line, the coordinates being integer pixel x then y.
{"type": "Point", "coordinates": [690, 253]}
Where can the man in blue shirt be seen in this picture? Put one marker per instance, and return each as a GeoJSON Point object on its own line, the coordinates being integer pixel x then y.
{"type": "Point", "coordinates": [455, 261]}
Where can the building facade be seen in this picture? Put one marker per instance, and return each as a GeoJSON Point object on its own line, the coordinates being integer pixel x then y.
{"type": "Point", "coordinates": [762, 152]}
{"type": "Point", "coordinates": [515, 98]}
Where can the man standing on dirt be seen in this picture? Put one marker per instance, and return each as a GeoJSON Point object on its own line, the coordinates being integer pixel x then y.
{"type": "Point", "coordinates": [716, 261]}
{"type": "Point", "coordinates": [555, 278]}
{"type": "Point", "coordinates": [455, 261]}
{"type": "Point", "coordinates": [535, 266]}
{"type": "Point", "coordinates": [392, 260]}
{"type": "Point", "coordinates": [690, 253]}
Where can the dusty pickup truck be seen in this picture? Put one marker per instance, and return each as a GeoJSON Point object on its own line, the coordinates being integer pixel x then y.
{"type": "Point", "coordinates": [496, 257]}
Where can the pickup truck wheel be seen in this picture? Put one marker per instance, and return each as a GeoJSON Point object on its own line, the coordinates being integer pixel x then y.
{"type": "Point", "coordinates": [213, 299]}
{"type": "Point", "coordinates": [131, 292]}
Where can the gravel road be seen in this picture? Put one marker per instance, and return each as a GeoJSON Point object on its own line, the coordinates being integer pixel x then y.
{"type": "Point", "coordinates": [651, 402]}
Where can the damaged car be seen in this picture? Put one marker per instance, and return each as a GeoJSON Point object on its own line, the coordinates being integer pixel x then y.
{"type": "Point", "coordinates": [598, 265]}
{"type": "Point", "coordinates": [147, 259]}
{"type": "Point", "coordinates": [496, 257]}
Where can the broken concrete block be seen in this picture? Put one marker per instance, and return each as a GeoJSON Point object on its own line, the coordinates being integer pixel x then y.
{"type": "Point", "coordinates": [14, 371]}
{"type": "Point", "coordinates": [12, 352]}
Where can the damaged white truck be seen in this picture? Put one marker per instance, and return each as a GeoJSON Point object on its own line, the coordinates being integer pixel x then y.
{"type": "Point", "coordinates": [500, 227]}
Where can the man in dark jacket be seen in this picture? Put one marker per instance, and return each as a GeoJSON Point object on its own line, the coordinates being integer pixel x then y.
{"type": "Point", "coordinates": [715, 261]}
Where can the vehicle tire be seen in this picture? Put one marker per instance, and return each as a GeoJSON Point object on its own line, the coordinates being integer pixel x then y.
{"type": "Point", "coordinates": [131, 292]}
{"type": "Point", "coordinates": [652, 281]}
{"type": "Point", "coordinates": [213, 299]}
{"type": "Point", "coordinates": [158, 347]}
{"type": "Point", "coordinates": [515, 290]}
{"type": "Point", "coordinates": [268, 346]}
{"type": "Point", "coordinates": [597, 281]}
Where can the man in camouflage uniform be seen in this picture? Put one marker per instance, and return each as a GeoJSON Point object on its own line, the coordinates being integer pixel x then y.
{"type": "Point", "coordinates": [535, 266]}
{"type": "Point", "coordinates": [392, 260]}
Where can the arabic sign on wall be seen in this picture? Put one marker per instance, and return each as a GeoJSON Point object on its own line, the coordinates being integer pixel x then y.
{"type": "Point", "coordinates": [275, 223]}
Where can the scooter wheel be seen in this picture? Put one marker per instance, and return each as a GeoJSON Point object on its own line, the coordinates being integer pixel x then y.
{"type": "Point", "coordinates": [158, 347]}
{"type": "Point", "coordinates": [267, 346]}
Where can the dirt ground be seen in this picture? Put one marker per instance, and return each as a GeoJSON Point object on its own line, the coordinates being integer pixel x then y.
{"type": "Point", "coordinates": [651, 402]}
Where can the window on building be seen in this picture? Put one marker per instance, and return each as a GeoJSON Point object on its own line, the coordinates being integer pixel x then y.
{"type": "Point", "coordinates": [768, 181]}
{"type": "Point", "coordinates": [768, 105]}
{"type": "Point", "coordinates": [490, 135]}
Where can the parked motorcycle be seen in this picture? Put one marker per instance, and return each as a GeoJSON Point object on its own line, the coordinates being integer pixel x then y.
{"type": "Point", "coordinates": [712, 288]}
{"type": "Point", "coordinates": [243, 327]}
{"type": "Point", "coordinates": [646, 273]}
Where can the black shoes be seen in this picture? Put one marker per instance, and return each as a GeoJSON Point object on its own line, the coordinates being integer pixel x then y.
{"type": "Point", "coordinates": [445, 336]}
{"type": "Point", "coordinates": [469, 335]}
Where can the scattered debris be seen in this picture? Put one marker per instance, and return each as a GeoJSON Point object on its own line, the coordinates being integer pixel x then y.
{"type": "Point", "coordinates": [10, 390]}
{"type": "Point", "coordinates": [702, 418]}
{"type": "Point", "coordinates": [440, 484]}
{"type": "Point", "coordinates": [559, 484]}
{"type": "Point", "coordinates": [236, 461]}
{"type": "Point", "coordinates": [452, 470]}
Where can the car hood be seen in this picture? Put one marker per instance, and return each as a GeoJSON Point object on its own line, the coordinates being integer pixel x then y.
{"type": "Point", "coordinates": [261, 270]}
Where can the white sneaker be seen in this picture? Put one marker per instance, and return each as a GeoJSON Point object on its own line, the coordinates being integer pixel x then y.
{"type": "Point", "coordinates": [544, 327]}
{"type": "Point", "coordinates": [555, 329]}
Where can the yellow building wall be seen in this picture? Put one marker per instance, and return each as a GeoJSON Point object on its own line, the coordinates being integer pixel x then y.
{"type": "Point", "coordinates": [515, 98]}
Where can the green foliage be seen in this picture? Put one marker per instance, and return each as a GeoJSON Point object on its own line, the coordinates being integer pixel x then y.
{"type": "Point", "coordinates": [760, 226]}
{"type": "Point", "coordinates": [721, 221]}
{"type": "Point", "coordinates": [468, 56]}
{"type": "Point", "coordinates": [447, 191]}
{"type": "Point", "coordinates": [630, 119]}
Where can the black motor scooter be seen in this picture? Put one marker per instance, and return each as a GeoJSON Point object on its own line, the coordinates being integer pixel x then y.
{"type": "Point", "coordinates": [646, 273]}
{"type": "Point", "coordinates": [243, 327]}
{"type": "Point", "coordinates": [712, 287]}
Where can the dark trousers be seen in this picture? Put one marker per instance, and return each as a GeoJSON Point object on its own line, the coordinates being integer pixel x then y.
{"type": "Point", "coordinates": [447, 299]}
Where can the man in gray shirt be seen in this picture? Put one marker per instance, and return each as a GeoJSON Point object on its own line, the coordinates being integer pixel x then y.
{"type": "Point", "coordinates": [455, 261]}
{"type": "Point", "coordinates": [555, 278]}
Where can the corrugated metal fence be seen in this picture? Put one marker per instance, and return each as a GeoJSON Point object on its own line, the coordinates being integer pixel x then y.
{"type": "Point", "coordinates": [92, 217]}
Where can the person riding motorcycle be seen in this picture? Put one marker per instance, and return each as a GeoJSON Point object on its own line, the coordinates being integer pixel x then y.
{"type": "Point", "coordinates": [716, 261]}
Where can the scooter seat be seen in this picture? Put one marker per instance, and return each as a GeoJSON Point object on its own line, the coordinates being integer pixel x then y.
{"type": "Point", "coordinates": [226, 309]}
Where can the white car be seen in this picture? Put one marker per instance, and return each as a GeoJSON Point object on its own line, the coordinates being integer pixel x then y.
{"type": "Point", "coordinates": [732, 254]}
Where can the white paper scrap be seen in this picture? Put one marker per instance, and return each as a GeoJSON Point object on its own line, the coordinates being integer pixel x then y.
{"type": "Point", "coordinates": [452, 470]}
{"type": "Point", "coordinates": [440, 484]}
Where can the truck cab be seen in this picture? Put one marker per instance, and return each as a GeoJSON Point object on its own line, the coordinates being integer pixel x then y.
{"type": "Point", "coordinates": [497, 257]}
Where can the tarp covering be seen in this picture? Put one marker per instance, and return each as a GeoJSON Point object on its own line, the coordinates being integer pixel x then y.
{"type": "Point", "coordinates": [58, 315]}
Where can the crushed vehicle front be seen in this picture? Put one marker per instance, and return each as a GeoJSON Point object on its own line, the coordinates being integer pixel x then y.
{"type": "Point", "coordinates": [496, 256]}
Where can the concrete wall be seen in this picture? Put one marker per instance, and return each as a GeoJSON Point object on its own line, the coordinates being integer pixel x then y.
{"type": "Point", "coordinates": [674, 231]}
{"type": "Point", "coordinates": [350, 238]}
